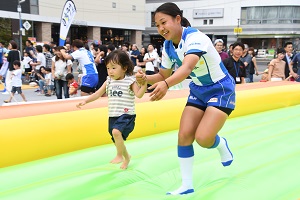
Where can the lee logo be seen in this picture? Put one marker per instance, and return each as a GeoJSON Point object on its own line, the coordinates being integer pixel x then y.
{"type": "Point", "coordinates": [114, 93]}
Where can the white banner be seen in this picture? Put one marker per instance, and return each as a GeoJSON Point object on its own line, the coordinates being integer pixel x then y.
{"type": "Point", "coordinates": [67, 17]}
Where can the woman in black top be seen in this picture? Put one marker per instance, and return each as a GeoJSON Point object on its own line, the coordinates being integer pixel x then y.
{"type": "Point", "coordinates": [13, 54]}
{"type": "Point", "coordinates": [101, 53]}
{"type": "Point", "coordinates": [140, 59]}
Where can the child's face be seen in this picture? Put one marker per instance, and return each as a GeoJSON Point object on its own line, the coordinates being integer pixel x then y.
{"type": "Point", "coordinates": [70, 81]}
{"type": "Point", "coordinates": [16, 67]}
{"type": "Point", "coordinates": [115, 71]}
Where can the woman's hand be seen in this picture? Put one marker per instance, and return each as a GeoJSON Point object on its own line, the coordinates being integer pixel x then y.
{"type": "Point", "coordinates": [159, 92]}
{"type": "Point", "coordinates": [79, 105]}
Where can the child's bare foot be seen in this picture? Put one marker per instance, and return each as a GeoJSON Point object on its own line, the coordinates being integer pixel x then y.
{"type": "Point", "coordinates": [117, 159]}
{"type": "Point", "coordinates": [125, 163]}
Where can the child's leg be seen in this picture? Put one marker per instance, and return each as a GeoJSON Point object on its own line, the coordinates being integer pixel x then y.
{"type": "Point", "coordinates": [121, 149]}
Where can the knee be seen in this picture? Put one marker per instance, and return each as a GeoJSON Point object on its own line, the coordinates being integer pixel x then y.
{"type": "Point", "coordinates": [204, 141]}
{"type": "Point", "coordinates": [116, 133]}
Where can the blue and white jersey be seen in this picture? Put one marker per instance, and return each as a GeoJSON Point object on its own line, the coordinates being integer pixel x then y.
{"type": "Point", "coordinates": [209, 68]}
{"type": "Point", "coordinates": [86, 59]}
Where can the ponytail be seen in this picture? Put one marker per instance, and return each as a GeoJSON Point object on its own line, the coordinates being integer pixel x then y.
{"type": "Point", "coordinates": [185, 22]}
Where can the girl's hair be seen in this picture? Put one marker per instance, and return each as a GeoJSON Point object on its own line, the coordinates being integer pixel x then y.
{"type": "Point", "coordinates": [61, 57]}
{"type": "Point", "coordinates": [13, 44]}
{"type": "Point", "coordinates": [280, 50]}
{"type": "Point", "coordinates": [252, 49]}
{"type": "Point", "coordinates": [172, 10]}
{"type": "Point", "coordinates": [121, 58]}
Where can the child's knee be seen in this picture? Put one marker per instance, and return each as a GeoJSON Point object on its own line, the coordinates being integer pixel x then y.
{"type": "Point", "coordinates": [116, 133]}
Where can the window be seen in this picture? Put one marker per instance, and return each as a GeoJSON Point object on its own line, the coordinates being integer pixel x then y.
{"type": "Point", "coordinates": [114, 4]}
{"type": "Point", "coordinates": [211, 21]}
{"type": "Point", "coordinates": [270, 15]}
{"type": "Point", "coordinates": [34, 7]}
{"type": "Point", "coordinates": [133, 7]}
{"type": "Point", "coordinates": [205, 22]}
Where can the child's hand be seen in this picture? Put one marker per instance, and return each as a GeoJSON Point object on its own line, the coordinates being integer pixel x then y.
{"type": "Point", "coordinates": [81, 104]}
{"type": "Point", "coordinates": [141, 77]}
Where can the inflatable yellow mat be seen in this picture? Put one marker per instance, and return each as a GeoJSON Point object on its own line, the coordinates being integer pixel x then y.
{"type": "Point", "coordinates": [34, 131]}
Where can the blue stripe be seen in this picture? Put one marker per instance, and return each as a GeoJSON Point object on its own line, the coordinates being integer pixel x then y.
{"type": "Point", "coordinates": [170, 50]}
{"type": "Point", "coordinates": [217, 141]}
{"type": "Point", "coordinates": [225, 71]}
{"type": "Point", "coordinates": [61, 42]}
{"type": "Point", "coordinates": [187, 31]}
{"type": "Point", "coordinates": [185, 151]}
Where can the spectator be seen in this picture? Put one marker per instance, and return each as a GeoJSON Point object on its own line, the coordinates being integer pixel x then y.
{"type": "Point", "coordinates": [151, 61]}
{"type": "Point", "coordinates": [234, 65]}
{"type": "Point", "coordinates": [48, 56]}
{"type": "Point", "coordinates": [89, 80]}
{"type": "Point", "coordinates": [253, 65]}
{"type": "Point", "coordinates": [100, 64]}
{"type": "Point", "coordinates": [73, 85]}
{"type": "Point", "coordinates": [12, 56]}
{"type": "Point", "coordinates": [61, 66]}
{"type": "Point", "coordinates": [219, 44]}
{"type": "Point", "coordinates": [134, 54]}
{"type": "Point", "coordinates": [295, 72]}
{"type": "Point", "coordinates": [2, 52]}
{"type": "Point", "coordinates": [16, 81]}
{"type": "Point", "coordinates": [246, 59]}
{"type": "Point", "coordinates": [140, 59]}
{"type": "Point", "coordinates": [288, 57]}
{"type": "Point", "coordinates": [26, 60]}
{"type": "Point", "coordinates": [277, 67]}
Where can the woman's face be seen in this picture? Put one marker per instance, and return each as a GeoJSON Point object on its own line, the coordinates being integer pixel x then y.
{"type": "Point", "coordinates": [58, 54]}
{"type": "Point", "coordinates": [168, 27]}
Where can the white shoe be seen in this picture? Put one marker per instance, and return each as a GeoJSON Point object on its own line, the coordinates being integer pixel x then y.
{"type": "Point", "coordinates": [5, 92]}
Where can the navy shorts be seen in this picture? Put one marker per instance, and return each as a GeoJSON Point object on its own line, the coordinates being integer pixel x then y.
{"type": "Point", "coordinates": [124, 123]}
{"type": "Point", "coordinates": [220, 95]}
{"type": "Point", "coordinates": [16, 89]}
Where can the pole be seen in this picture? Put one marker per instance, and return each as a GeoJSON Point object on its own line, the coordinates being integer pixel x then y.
{"type": "Point", "coordinates": [238, 29]}
{"type": "Point", "coordinates": [20, 27]}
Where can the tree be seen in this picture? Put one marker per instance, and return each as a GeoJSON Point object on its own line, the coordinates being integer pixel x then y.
{"type": "Point", "coordinates": [5, 30]}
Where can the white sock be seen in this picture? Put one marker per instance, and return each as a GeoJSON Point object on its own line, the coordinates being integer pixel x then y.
{"type": "Point", "coordinates": [186, 169]}
{"type": "Point", "coordinates": [225, 153]}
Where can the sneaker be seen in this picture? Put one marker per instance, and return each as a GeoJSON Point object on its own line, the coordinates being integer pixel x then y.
{"type": "Point", "coordinates": [48, 95]}
{"type": "Point", "coordinates": [37, 90]}
{"type": "Point", "coordinates": [5, 92]}
{"type": "Point", "coordinates": [40, 94]}
{"type": "Point", "coordinates": [6, 101]}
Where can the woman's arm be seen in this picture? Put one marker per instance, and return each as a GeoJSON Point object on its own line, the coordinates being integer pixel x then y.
{"type": "Point", "coordinates": [255, 65]}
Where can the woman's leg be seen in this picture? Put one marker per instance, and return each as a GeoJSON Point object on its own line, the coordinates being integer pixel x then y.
{"type": "Point", "coordinates": [41, 85]}
{"type": "Point", "coordinates": [58, 90]}
{"type": "Point", "coordinates": [66, 89]}
{"type": "Point", "coordinates": [186, 137]}
{"type": "Point", "coordinates": [206, 134]}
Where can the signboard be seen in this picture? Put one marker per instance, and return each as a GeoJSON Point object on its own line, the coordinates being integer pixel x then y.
{"type": "Point", "coordinates": [208, 13]}
{"type": "Point", "coordinates": [237, 30]}
{"type": "Point", "coordinates": [27, 25]}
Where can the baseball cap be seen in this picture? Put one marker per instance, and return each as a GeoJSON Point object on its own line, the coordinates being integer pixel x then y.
{"type": "Point", "coordinates": [218, 40]}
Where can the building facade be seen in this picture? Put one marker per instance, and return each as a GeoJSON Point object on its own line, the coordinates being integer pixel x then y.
{"type": "Point", "coordinates": [114, 21]}
{"type": "Point", "coordinates": [264, 24]}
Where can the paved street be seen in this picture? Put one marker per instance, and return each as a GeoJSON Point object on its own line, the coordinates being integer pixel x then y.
{"type": "Point", "coordinates": [32, 96]}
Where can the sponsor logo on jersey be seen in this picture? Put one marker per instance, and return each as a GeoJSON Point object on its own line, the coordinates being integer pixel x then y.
{"type": "Point", "coordinates": [192, 98]}
{"type": "Point", "coordinates": [213, 100]}
{"type": "Point", "coordinates": [232, 103]}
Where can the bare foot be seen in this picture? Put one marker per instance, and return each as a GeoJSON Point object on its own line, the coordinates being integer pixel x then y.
{"type": "Point", "coordinates": [125, 163]}
{"type": "Point", "coordinates": [117, 159]}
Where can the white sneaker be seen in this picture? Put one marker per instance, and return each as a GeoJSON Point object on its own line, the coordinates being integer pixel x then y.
{"type": "Point", "coordinates": [5, 92]}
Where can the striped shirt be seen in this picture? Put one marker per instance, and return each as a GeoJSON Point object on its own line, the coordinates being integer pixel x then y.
{"type": "Point", "coordinates": [120, 96]}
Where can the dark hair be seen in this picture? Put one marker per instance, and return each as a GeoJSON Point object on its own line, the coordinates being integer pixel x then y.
{"type": "Point", "coordinates": [287, 43]}
{"type": "Point", "coordinates": [29, 41]}
{"type": "Point", "coordinates": [252, 49]}
{"type": "Point", "coordinates": [58, 49]}
{"type": "Point", "coordinates": [77, 43]}
{"type": "Point", "coordinates": [13, 44]}
{"type": "Point", "coordinates": [238, 44]}
{"type": "Point", "coordinates": [111, 47]}
{"type": "Point", "coordinates": [17, 62]}
{"type": "Point", "coordinates": [48, 69]}
{"type": "Point", "coordinates": [39, 48]}
{"type": "Point", "coordinates": [103, 48]}
{"type": "Point", "coordinates": [121, 58]}
{"type": "Point", "coordinates": [280, 50]}
{"type": "Point", "coordinates": [172, 10]}
{"type": "Point", "coordinates": [69, 76]}
{"type": "Point", "coordinates": [47, 47]}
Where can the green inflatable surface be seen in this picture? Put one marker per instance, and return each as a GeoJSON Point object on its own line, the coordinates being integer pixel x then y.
{"type": "Point", "coordinates": [266, 148]}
